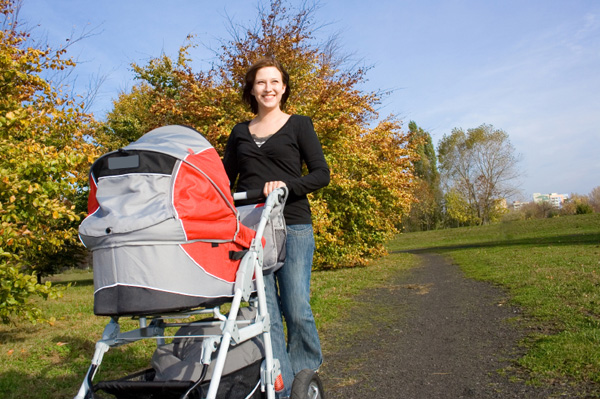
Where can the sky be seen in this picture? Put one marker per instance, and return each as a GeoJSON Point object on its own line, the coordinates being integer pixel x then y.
{"type": "Point", "coordinates": [528, 67]}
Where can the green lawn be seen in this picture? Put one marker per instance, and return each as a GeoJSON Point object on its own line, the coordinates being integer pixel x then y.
{"type": "Point", "coordinates": [550, 267]}
{"type": "Point", "coordinates": [49, 360]}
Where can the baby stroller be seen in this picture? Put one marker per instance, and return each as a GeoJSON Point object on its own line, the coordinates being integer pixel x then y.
{"type": "Point", "coordinates": [171, 250]}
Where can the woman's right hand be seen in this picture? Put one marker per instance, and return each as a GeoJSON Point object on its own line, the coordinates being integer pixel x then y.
{"type": "Point", "coordinates": [272, 185]}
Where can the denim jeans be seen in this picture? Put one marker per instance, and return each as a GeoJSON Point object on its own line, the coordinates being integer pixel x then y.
{"type": "Point", "coordinates": [303, 349]}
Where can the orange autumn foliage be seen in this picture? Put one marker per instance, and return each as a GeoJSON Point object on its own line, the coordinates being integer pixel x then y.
{"type": "Point", "coordinates": [44, 158]}
{"type": "Point", "coordinates": [371, 160]}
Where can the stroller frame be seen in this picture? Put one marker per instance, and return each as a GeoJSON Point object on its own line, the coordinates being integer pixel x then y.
{"type": "Point", "coordinates": [232, 328]}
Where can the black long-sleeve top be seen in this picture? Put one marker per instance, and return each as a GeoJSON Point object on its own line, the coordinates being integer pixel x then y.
{"type": "Point", "coordinates": [280, 158]}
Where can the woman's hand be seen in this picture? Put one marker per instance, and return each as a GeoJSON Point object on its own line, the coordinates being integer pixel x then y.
{"type": "Point", "coordinates": [272, 185]}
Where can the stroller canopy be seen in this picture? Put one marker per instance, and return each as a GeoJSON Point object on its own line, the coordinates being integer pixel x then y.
{"type": "Point", "coordinates": [162, 225]}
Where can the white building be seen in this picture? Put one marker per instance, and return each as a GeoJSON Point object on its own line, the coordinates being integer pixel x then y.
{"type": "Point", "coordinates": [518, 204]}
{"type": "Point", "coordinates": [554, 199]}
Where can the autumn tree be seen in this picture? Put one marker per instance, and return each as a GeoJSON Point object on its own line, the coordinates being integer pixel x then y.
{"type": "Point", "coordinates": [594, 197]}
{"type": "Point", "coordinates": [370, 159]}
{"type": "Point", "coordinates": [539, 210]}
{"type": "Point", "coordinates": [481, 166]}
{"type": "Point", "coordinates": [44, 159]}
{"type": "Point", "coordinates": [426, 212]}
{"type": "Point", "coordinates": [457, 211]}
{"type": "Point", "coordinates": [577, 204]}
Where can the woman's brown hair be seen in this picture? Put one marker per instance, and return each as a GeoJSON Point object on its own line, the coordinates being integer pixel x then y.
{"type": "Point", "coordinates": [251, 76]}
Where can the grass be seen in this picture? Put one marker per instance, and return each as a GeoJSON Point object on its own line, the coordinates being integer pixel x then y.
{"type": "Point", "coordinates": [54, 357]}
{"type": "Point", "coordinates": [551, 269]}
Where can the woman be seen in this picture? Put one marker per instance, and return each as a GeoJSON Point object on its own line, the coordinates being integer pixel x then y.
{"type": "Point", "coordinates": [268, 152]}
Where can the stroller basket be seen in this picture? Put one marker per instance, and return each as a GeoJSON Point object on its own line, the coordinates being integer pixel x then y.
{"type": "Point", "coordinates": [141, 385]}
{"type": "Point", "coordinates": [244, 384]}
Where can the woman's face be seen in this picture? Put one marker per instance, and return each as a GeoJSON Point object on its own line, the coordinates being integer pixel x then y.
{"type": "Point", "coordinates": [268, 88]}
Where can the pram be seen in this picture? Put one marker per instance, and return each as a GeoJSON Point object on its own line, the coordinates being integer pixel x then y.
{"type": "Point", "coordinates": [169, 250]}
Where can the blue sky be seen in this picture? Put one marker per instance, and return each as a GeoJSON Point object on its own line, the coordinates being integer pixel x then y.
{"type": "Point", "coordinates": [528, 67]}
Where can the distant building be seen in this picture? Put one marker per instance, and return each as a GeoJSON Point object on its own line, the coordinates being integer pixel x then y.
{"type": "Point", "coordinates": [518, 204]}
{"type": "Point", "coordinates": [556, 200]}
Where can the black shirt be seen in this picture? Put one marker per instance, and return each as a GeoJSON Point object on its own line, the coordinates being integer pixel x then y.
{"type": "Point", "coordinates": [279, 158]}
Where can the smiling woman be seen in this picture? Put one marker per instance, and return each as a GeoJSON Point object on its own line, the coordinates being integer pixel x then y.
{"type": "Point", "coordinates": [266, 153]}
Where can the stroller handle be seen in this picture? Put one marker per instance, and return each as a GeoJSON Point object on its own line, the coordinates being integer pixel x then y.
{"type": "Point", "coordinates": [257, 194]}
{"type": "Point", "coordinates": [249, 195]}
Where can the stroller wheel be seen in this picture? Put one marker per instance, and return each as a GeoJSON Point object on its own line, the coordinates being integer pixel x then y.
{"type": "Point", "coordinates": [307, 385]}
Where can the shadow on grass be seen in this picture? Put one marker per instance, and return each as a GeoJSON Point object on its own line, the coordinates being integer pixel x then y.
{"type": "Point", "coordinates": [74, 283]}
{"type": "Point", "coordinates": [570, 239]}
{"type": "Point", "coordinates": [14, 333]}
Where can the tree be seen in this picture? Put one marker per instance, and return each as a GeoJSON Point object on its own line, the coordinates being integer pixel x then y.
{"type": "Point", "coordinates": [458, 211]}
{"type": "Point", "coordinates": [425, 213]}
{"type": "Point", "coordinates": [370, 160]}
{"type": "Point", "coordinates": [44, 157]}
{"type": "Point", "coordinates": [127, 119]}
{"type": "Point", "coordinates": [577, 204]}
{"type": "Point", "coordinates": [594, 198]}
{"type": "Point", "coordinates": [481, 166]}
{"type": "Point", "coordinates": [539, 210]}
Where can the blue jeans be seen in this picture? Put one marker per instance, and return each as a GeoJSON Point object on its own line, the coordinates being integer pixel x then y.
{"type": "Point", "coordinates": [303, 349]}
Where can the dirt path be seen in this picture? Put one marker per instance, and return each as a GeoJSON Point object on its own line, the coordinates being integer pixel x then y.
{"type": "Point", "coordinates": [432, 334]}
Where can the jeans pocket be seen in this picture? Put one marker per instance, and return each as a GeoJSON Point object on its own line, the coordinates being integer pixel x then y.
{"type": "Point", "coordinates": [300, 230]}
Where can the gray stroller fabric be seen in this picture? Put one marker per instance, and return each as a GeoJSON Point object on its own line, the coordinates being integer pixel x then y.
{"type": "Point", "coordinates": [275, 234]}
{"type": "Point", "coordinates": [180, 360]}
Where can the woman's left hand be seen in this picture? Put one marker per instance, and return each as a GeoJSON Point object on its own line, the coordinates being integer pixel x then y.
{"type": "Point", "coordinates": [272, 185]}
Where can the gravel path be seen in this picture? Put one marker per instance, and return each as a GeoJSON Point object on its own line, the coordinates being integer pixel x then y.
{"type": "Point", "coordinates": [431, 334]}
